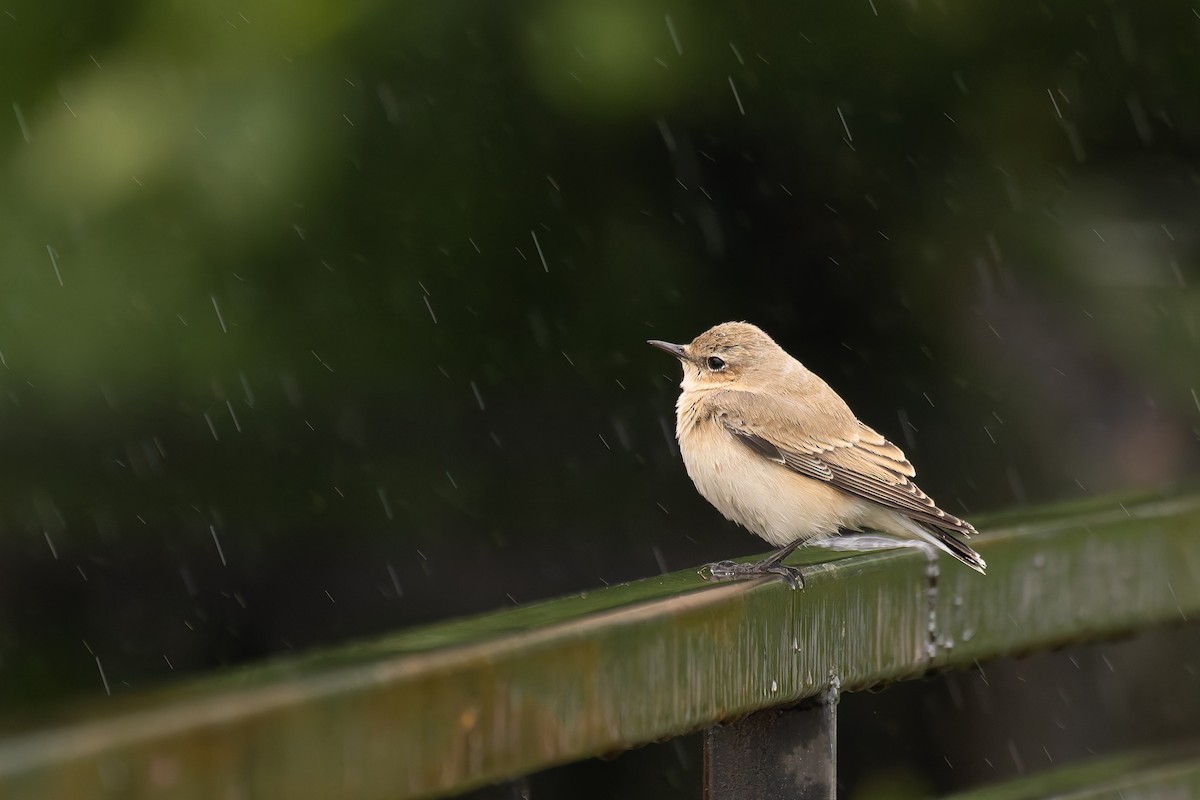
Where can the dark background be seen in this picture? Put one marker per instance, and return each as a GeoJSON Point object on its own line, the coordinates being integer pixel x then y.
{"type": "Point", "coordinates": [321, 319]}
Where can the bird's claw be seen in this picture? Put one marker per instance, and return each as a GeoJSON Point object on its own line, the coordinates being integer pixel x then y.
{"type": "Point", "coordinates": [791, 575]}
{"type": "Point", "coordinates": [731, 570]}
{"type": "Point", "coordinates": [719, 571]}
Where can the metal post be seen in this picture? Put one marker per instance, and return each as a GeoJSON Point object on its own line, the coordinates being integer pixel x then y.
{"type": "Point", "coordinates": [790, 753]}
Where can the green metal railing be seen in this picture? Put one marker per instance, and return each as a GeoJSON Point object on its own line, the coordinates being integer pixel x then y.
{"type": "Point", "coordinates": [442, 709]}
{"type": "Point", "coordinates": [1174, 773]}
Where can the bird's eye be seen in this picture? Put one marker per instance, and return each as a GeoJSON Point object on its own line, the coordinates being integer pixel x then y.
{"type": "Point", "coordinates": [715, 363]}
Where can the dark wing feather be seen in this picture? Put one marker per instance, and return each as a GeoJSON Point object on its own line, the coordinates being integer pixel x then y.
{"type": "Point", "coordinates": [858, 461]}
{"type": "Point", "coordinates": [810, 467]}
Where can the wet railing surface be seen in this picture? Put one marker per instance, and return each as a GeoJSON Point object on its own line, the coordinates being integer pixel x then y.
{"type": "Point", "coordinates": [1168, 774]}
{"type": "Point", "coordinates": [442, 709]}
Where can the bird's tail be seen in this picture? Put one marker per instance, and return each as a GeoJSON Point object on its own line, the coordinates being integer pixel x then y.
{"type": "Point", "coordinates": [947, 542]}
{"type": "Point", "coordinates": [942, 540]}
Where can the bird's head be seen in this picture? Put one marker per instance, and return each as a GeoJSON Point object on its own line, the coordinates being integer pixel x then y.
{"type": "Point", "coordinates": [728, 353]}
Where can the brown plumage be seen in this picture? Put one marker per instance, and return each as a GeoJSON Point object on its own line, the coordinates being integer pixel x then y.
{"type": "Point", "coordinates": [776, 450]}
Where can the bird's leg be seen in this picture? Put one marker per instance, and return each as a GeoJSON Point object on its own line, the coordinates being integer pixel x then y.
{"type": "Point", "coordinates": [730, 570]}
{"type": "Point", "coordinates": [779, 555]}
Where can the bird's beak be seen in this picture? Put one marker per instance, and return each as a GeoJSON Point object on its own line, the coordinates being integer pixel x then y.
{"type": "Point", "coordinates": [674, 349]}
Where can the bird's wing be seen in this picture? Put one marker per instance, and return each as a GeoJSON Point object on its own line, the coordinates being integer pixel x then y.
{"type": "Point", "coordinates": [846, 454]}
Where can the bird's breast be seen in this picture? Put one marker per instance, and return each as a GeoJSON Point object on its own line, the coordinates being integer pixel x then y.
{"type": "Point", "coordinates": [761, 495]}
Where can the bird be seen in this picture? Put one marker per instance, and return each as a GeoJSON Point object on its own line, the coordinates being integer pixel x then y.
{"type": "Point", "coordinates": [776, 450]}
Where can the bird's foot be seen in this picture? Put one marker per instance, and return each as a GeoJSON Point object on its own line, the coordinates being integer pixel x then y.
{"type": "Point", "coordinates": [732, 570]}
